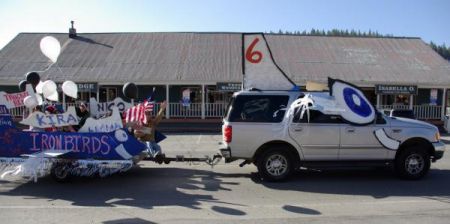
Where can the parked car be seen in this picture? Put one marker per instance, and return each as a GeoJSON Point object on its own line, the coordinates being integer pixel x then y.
{"type": "Point", "coordinates": [256, 130]}
{"type": "Point", "coordinates": [406, 113]}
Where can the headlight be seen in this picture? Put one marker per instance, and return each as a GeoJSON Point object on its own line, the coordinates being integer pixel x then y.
{"type": "Point", "coordinates": [437, 136]}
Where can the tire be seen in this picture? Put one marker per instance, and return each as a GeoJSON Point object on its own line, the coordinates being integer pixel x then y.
{"type": "Point", "coordinates": [61, 173]}
{"type": "Point", "coordinates": [275, 165]}
{"type": "Point", "coordinates": [413, 163]}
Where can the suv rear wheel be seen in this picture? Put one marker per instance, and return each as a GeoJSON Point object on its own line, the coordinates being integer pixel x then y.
{"type": "Point", "coordinates": [413, 163]}
{"type": "Point", "coordinates": [274, 165]}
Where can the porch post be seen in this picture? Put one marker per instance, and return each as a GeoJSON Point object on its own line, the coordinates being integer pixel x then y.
{"type": "Point", "coordinates": [444, 100]}
{"type": "Point", "coordinates": [411, 101]}
{"type": "Point", "coordinates": [378, 101]}
{"type": "Point", "coordinates": [98, 94]}
{"type": "Point", "coordinates": [168, 102]}
{"type": "Point", "coordinates": [203, 101]}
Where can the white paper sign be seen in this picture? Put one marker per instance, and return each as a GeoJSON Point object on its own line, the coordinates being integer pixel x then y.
{"type": "Point", "coordinates": [107, 124]}
{"type": "Point", "coordinates": [12, 100]}
{"type": "Point", "coordinates": [100, 109]}
{"type": "Point", "coordinates": [260, 70]}
{"type": "Point", "coordinates": [42, 120]}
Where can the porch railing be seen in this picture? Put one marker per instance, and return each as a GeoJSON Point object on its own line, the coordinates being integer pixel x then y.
{"type": "Point", "coordinates": [423, 112]}
{"type": "Point", "coordinates": [178, 110]}
{"type": "Point", "coordinates": [217, 110]}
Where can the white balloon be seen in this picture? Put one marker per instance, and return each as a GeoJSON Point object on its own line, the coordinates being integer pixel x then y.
{"type": "Point", "coordinates": [53, 97]}
{"type": "Point", "coordinates": [49, 90]}
{"type": "Point", "coordinates": [70, 89]}
{"type": "Point", "coordinates": [30, 102]}
{"type": "Point", "coordinates": [51, 48]}
{"type": "Point", "coordinates": [39, 99]}
{"type": "Point", "coordinates": [39, 87]}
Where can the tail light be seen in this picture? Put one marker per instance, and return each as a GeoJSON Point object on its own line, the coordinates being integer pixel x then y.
{"type": "Point", "coordinates": [227, 133]}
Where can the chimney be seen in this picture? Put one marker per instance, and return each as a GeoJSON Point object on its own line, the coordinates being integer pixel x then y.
{"type": "Point", "coordinates": [72, 31]}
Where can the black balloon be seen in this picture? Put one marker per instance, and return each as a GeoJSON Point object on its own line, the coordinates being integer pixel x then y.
{"type": "Point", "coordinates": [130, 90]}
{"type": "Point", "coordinates": [33, 78]}
{"type": "Point", "coordinates": [23, 85]}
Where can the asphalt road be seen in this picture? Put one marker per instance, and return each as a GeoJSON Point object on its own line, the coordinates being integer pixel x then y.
{"type": "Point", "coordinates": [197, 193]}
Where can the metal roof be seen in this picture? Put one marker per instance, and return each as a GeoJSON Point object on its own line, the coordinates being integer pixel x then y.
{"type": "Point", "coordinates": [170, 58]}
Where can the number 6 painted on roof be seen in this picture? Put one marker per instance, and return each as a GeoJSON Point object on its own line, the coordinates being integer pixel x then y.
{"type": "Point", "coordinates": [250, 54]}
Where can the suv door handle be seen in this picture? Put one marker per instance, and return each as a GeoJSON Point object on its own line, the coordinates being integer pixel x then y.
{"type": "Point", "coordinates": [350, 130]}
{"type": "Point", "coordinates": [298, 129]}
{"type": "Point", "coordinates": [396, 130]}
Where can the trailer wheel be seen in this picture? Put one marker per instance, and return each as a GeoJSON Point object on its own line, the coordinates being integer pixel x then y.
{"type": "Point", "coordinates": [61, 173]}
{"type": "Point", "coordinates": [275, 165]}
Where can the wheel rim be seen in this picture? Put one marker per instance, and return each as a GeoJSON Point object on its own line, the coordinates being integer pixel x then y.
{"type": "Point", "coordinates": [61, 172]}
{"type": "Point", "coordinates": [276, 165]}
{"type": "Point", "coordinates": [414, 164]}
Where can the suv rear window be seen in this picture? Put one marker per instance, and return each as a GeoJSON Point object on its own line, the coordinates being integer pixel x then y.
{"type": "Point", "coordinates": [266, 108]}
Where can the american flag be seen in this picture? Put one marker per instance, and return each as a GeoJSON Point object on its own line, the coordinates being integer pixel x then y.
{"type": "Point", "coordinates": [137, 113]}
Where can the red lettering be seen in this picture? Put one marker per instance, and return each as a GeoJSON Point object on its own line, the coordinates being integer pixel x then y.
{"type": "Point", "coordinates": [96, 145]}
{"type": "Point", "coordinates": [51, 142]}
{"type": "Point", "coordinates": [86, 141]}
{"type": "Point", "coordinates": [250, 54]}
{"type": "Point", "coordinates": [107, 148]}
{"type": "Point", "coordinates": [77, 139]}
{"type": "Point", "coordinates": [44, 144]}
{"type": "Point", "coordinates": [58, 142]}
{"type": "Point", "coordinates": [34, 141]}
{"type": "Point", "coordinates": [68, 140]}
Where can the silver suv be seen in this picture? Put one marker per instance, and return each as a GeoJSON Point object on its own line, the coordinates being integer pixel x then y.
{"type": "Point", "coordinates": [256, 130]}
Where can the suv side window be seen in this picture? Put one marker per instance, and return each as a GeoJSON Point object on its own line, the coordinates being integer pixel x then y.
{"type": "Point", "coordinates": [261, 108]}
{"type": "Point", "coordinates": [317, 117]}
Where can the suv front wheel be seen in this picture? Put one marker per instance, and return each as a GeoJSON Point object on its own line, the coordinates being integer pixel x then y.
{"type": "Point", "coordinates": [413, 163]}
{"type": "Point", "coordinates": [274, 165]}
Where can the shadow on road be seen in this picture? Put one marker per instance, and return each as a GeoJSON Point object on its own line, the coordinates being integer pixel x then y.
{"type": "Point", "coordinates": [301, 210]}
{"type": "Point", "coordinates": [129, 221]}
{"type": "Point", "coordinates": [378, 183]}
{"type": "Point", "coordinates": [139, 187]}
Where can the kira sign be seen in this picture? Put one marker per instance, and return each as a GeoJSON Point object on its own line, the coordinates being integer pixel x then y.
{"type": "Point", "coordinates": [395, 89]}
{"type": "Point", "coordinates": [41, 120]}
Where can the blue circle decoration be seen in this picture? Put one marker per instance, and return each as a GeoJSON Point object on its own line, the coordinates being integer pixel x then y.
{"type": "Point", "coordinates": [363, 109]}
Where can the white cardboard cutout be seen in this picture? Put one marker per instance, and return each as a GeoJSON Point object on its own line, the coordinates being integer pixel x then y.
{"type": "Point", "coordinates": [42, 120]}
{"type": "Point", "coordinates": [12, 100]}
{"type": "Point", "coordinates": [107, 124]}
{"type": "Point", "coordinates": [100, 109]}
{"type": "Point", "coordinates": [385, 140]}
{"type": "Point", "coordinates": [260, 70]}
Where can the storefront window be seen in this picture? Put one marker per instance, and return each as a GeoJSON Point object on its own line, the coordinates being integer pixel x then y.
{"type": "Point", "coordinates": [396, 100]}
{"type": "Point", "coordinates": [107, 94]}
{"type": "Point", "coordinates": [217, 96]}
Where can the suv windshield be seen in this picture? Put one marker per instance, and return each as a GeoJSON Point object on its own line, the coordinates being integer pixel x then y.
{"type": "Point", "coordinates": [260, 108]}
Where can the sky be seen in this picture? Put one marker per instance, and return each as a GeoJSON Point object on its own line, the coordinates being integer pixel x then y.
{"type": "Point", "coordinates": [427, 19]}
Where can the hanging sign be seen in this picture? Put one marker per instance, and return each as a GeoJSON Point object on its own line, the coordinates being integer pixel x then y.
{"type": "Point", "coordinates": [107, 124]}
{"type": "Point", "coordinates": [102, 109]}
{"type": "Point", "coordinates": [83, 87]}
{"type": "Point", "coordinates": [229, 86]}
{"type": "Point", "coordinates": [12, 100]}
{"type": "Point", "coordinates": [42, 120]}
{"type": "Point", "coordinates": [395, 90]}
